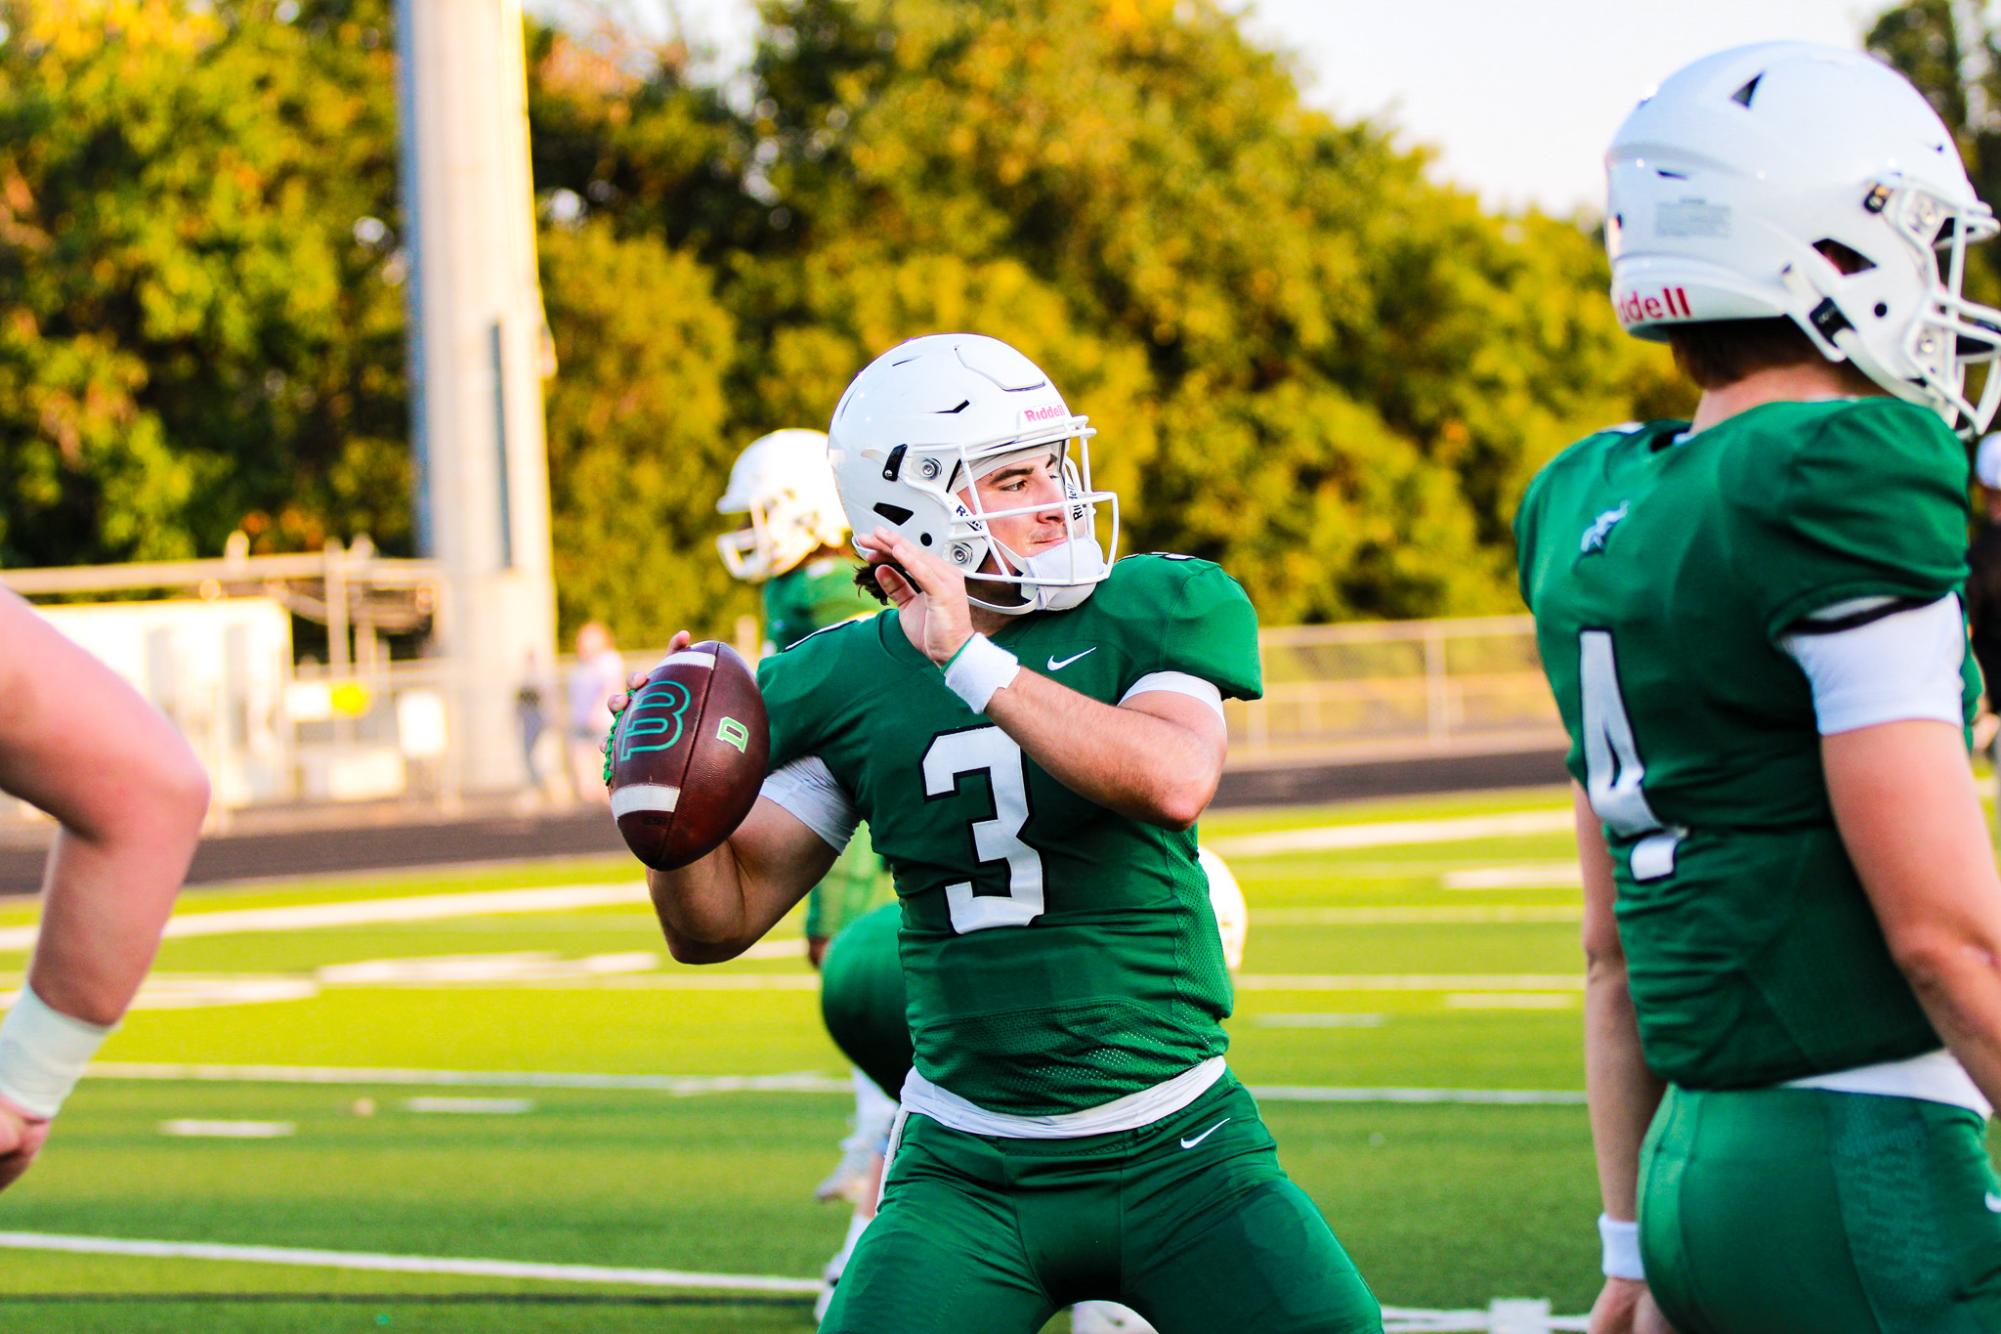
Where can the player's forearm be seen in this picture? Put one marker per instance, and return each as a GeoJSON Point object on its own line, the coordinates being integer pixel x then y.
{"type": "Point", "coordinates": [1909, 816]}
{"type": "Point", "coordinates": [1122, 759]}
{"type": "Point", "coordinates": [106, 903]}
{"type": "Point", "coordinates": [1621, 1092]}
{"type": "Point", "coordinates": [702, 910]}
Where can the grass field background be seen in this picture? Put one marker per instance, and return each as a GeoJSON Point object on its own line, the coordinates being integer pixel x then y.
{"type": "Point", "coordinates": [1414, 959]}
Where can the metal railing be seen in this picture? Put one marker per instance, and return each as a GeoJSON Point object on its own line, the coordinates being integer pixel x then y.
{"type": "Point", "coordinates": [1395, 687]}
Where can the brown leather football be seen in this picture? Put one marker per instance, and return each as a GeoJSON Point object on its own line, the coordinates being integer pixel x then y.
{"type": "Point", "coordinates": [688, 755]}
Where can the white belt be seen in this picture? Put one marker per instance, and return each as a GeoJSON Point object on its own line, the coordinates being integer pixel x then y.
{"type": "Point", "coordinates": [1936, 1076]}
{"type": "Point", "coordinates": [1128, 1113]}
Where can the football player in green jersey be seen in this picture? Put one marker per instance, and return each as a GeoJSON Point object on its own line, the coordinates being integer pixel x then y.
{"type": "Point", "coordinates": [1752, 625]}
{"type": "Point", "coordinates": [794, 550]}
{"type": "Point", "coordinates": [1031, 735]}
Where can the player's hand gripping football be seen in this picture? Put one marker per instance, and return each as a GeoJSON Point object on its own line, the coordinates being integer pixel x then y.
{"type": "Point", "coordinates": [930, 596]}
{"type": "Point", "coordinates": [618, 702]}
{"type": "Point", "coordinates": [21, 1137]}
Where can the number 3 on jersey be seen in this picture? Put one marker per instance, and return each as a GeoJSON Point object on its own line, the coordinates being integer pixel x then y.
{"type": "Point", "coordinates": [1613, 770]}
{"type": "Point", "coordinates": [989, 751]}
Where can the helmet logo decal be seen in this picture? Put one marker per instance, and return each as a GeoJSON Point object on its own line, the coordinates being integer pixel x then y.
{"type": "Point", "coordinates": [1043, 414]}
{"type": "Point", "coordinates": [1670, 303]}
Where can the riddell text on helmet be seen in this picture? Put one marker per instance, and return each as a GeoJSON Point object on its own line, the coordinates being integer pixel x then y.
{"type": "Point", "coordinates": [1670, 303]}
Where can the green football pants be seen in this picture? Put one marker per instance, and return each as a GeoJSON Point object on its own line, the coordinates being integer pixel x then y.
{"type": "Point", "coordinates": [1800, 1211]}
{"type": "Point", "coordinates": [862, 999]}
{"type": "Point", "coordinates": [1190, 1221]}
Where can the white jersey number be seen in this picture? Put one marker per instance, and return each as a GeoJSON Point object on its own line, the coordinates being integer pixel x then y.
{"type": "Point", "coordinates": [989, 751]}
{"type": "Point", "coordinates": [1614, 774]}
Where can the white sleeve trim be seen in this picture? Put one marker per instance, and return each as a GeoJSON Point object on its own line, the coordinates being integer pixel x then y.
{"type": "Point", "coordinates": [1178, 683]}
{"type": "Point", "coordinates": [1898, 668]}
{"type": "Point", "coordinates": [808, 789]}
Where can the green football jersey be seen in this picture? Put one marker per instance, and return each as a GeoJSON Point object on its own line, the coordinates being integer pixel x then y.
{"type": "Point", "coordinates": [1057, 955]}
{"type": "Point", "coordinates": [1663, 569]}
{"type": "Point", "coordinates": [806, 599]}
{"type": "Point", "coordinates": [811, 597]}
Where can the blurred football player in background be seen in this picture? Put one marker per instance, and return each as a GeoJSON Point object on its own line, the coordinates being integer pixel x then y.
{"type": "Point", "coordinates": [795, 549]}
{"type": "Point", "coordinates": [129, 796]}
{"type": "Point", "coordinates": [1752, 624]}
{"type": "Point", "coordinates": [1031, 734]}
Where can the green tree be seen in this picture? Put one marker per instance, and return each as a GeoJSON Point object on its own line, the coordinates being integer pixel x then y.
{"type": "Point", "coordinates": [1343, 373]}
{"type": "Point", "coordinates": [1951, 49]}
{"type": "Point", "coordinates": [637, 449]}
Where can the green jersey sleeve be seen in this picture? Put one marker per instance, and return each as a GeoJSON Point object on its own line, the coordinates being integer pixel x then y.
{"type": "Point", "coordinates": [1210, 630]}
{"type": "Point", "coordinates": [1871, 504]}
{"type": "Point", "coordinates": [799, 684]}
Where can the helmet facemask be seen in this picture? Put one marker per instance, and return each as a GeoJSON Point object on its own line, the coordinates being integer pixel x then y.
{"type": "Point", "coordinates": [998, 578]}
{"type": "Point", "coordinates": [1922, 358]}
{"type": "Point", "coordinates": [1054, 578]}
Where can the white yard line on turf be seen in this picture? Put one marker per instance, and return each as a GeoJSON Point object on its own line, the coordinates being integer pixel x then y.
{"type": "Point", "coordinates": [694, 1085]}
{"type": "Point", "coordinates": [1394, 916]}
{"type": "Point", "coordinates": [405, 1264]}
{"type": "Point", "coordinates": [682, 1086]}
{"type": "Point", "coordinates": [368, 912]}
{"type": "Point", "coordinates": [1397, 1319]}
{"type": "Point", "coordinates": [1388, 833]}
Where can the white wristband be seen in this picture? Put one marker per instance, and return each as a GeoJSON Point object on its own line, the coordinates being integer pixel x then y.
{"type": "Point", "coordinates": [978, 669]}
{"type": "Point", "coordinates": [43, 1053]}
{"type": "Point", "coordinates": [1621, 1244]}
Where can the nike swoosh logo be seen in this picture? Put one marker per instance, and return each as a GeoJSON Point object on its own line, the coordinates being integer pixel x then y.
{"type": "Point", "coordinates": [1191, 1143]}
{"type": "Point", "coordinates": [1056, 666]}
{"type": "Point", "coordinates": [1993, 1203]}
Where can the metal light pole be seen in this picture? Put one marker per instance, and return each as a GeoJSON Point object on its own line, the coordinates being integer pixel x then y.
{"type": "Point", "coordinates": [477, 358]}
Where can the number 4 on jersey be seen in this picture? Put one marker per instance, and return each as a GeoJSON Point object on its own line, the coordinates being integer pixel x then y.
{"type": "Point", "coordinates": [1613, 771]}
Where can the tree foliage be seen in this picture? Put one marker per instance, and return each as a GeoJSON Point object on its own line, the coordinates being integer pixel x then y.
{"type": "Point", "coordinates": [1305, 358]}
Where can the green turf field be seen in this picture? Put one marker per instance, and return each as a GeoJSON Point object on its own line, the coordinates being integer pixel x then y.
{"type": "Point", "coordinates": [1399, 954]}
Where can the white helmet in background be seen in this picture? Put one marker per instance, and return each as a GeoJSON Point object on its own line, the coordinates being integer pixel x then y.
{"type": "Point", "coordinates": [783, 483]}
{"type": "Point", "coordinates": [1226, 897]}
{"type": "Point", "coordinates": [1726, 186]}
{"type": "Point", "coordinates": [931, 416]}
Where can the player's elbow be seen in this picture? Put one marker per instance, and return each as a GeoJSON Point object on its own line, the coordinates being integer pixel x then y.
{"type": "Point", "coordinates": [1179, 804]}
{"type": "Point", "coordinates": [1940, 960]}
{"type": "Point", "coordinates": [687, 949]}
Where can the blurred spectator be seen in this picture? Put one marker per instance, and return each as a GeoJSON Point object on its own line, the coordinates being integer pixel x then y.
{"type": "Point", "coordinates": [597, 675]}
{"type": "Point", "coordinates": [531, 711]}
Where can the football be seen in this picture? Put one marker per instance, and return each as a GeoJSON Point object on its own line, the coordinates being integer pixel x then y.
{"type": "Point", "coordinates": [688, 755]}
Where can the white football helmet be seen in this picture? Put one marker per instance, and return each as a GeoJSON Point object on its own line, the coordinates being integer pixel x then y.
{"type": "Point", "coordinates": [1724, 186]}
{"type": "Point", "coordinates": [783, 483]}
{"type": "Point", "coordinates": [929, 417]}
{"type": "Point", "coordinates": [1226, 897]}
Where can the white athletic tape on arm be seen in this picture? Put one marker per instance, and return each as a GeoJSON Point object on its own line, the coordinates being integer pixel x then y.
{"type": "Point", "coordinates": [808, 789]}
{"type": "Point", "coordinates": [978, 669]}
{"type": "Point", "coordinates": [1897, 668]}
{"type": "Point", "coordinates": [1620, 1242]}
{"type": "Point", "coordinates": [1177, 683]}
{"type": "Point", "coordinates": [43, 1053]}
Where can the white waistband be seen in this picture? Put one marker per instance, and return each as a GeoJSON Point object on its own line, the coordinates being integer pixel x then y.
{"type": "Point", "coordinates": [1128, 1113]}
{"type": "Point", "coordinates": [1936, 1076]}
